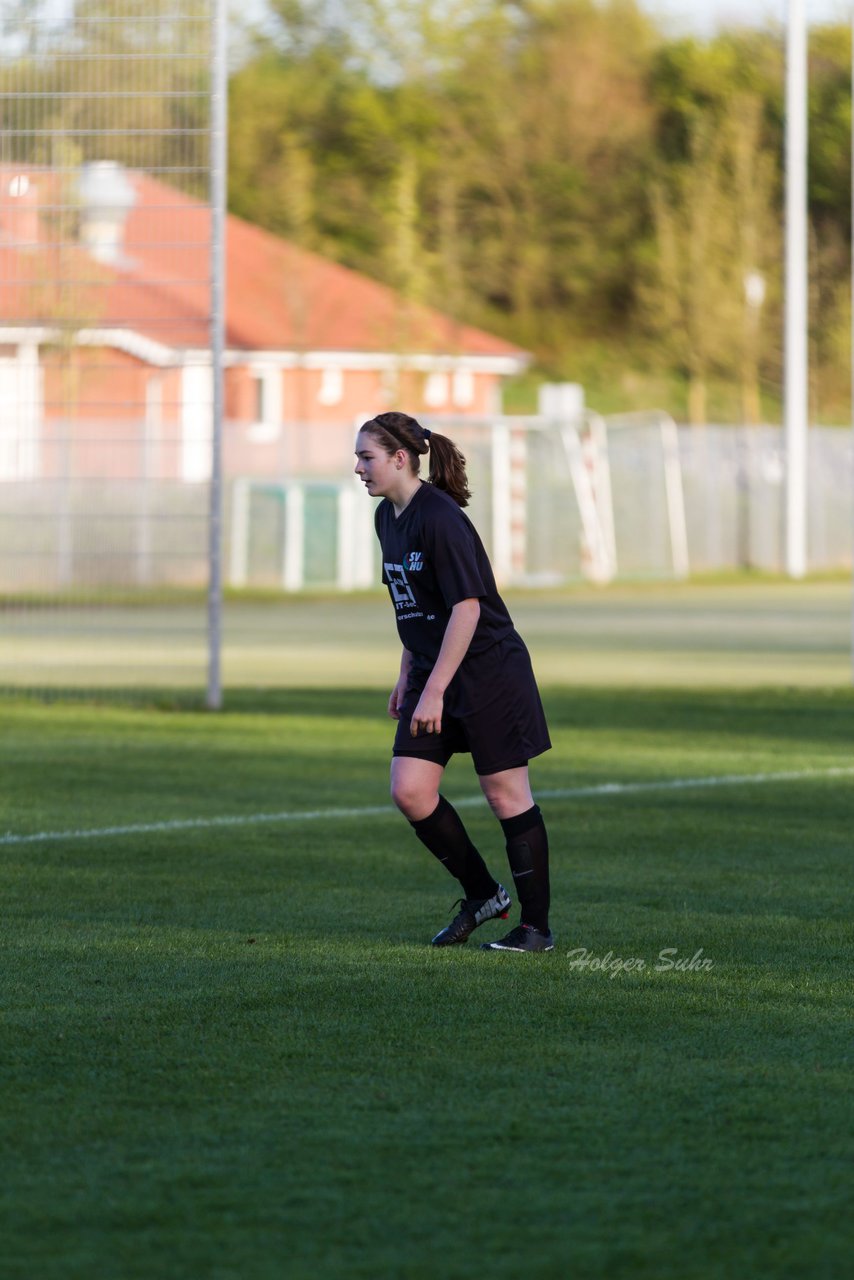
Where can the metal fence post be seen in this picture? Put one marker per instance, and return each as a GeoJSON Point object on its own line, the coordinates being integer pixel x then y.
{"type": "Point", "coordinates": [219, 91]}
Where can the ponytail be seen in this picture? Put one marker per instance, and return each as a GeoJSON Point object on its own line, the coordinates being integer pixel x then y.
{"type": "Point", "coordinates": [448, 469]}
{"type": "Point", "coordinates": [395, 431]}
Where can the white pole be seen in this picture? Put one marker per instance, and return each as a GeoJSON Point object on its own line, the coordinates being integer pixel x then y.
{"type": "Point", "coordinates": [219, 91]}
{"type": "Point", "coordinates": [675, 495]}
{"type": "Point", "coordinates": [502, 504]}
{"type": "Point", "coordinates": [797, 295]}
{"type": "Point", "coordinates": [597, 567]}
{"type": "Point", "coordinates": [293, 572]}
{"type": "Point", "coordinates": [348, 549]}
{"type": "Point", "coordinates": [604, 493]}
{"type": "Point", "coordinates": [238, 573]}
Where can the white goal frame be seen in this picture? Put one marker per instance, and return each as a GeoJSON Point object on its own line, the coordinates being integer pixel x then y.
{"type": "Point", "coordinates": [355, 532]}
{"type": "Point", "coordinates": [585, 442]}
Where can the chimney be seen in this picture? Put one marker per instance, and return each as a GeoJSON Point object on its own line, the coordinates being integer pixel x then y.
{"type": "Point", "coordinates": [19, 211]}
{"type": "Point", "coordinates": [106, 198]}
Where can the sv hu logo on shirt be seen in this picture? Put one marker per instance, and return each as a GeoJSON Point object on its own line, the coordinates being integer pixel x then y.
{"type": "Point", "coordinates": [414, 561]}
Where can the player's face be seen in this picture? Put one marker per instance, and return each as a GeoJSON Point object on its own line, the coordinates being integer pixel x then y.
{"type": "Point", "coordinates": [378, 471]}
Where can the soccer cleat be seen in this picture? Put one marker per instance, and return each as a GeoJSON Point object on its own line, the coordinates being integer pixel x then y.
{"type": "Point", "coordinates": [473, 911]}
{"type": "Point", "coordinates": [523, 938]}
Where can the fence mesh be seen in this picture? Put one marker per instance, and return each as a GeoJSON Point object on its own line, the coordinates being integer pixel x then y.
{"type": "Point", "coordinates": [735, 496]}
{"type": "Point", "coordinates": [732, 483]}
{"type": "Point", "coordinates": [105, 315]}
{"type": "Point", "coordinates": [106, 395]}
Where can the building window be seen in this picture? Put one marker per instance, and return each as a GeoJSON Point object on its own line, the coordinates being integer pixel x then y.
{"type": "Point", "coordinates": [266, 405]}
{"type": "Point", "coordinates": [436, 390]}
{"type": "Point", "coordinates": [331, 386]}
{"type": "Point", "coordinates": [21, 409]}
{"type": "Point", "coordinates": [260, 398]}
{"type": "Point", "coordinates": [463, 388]}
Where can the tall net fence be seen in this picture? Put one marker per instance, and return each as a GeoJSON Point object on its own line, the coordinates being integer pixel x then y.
{"type": "Point", "coordinates": [735, 485]}
{"type": "Point", "coordinates": [105, 338]}
{"type": "Point", "coordinates": [624, 498]}
{"type": "Point", "coordinates": [107, 301]}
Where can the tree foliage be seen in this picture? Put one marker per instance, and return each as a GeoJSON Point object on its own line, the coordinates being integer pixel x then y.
{"type": "Point", "coordinates": [555, 169]}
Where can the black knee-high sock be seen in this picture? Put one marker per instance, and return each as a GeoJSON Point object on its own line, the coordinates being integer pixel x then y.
{"type": "Point", "coordinates": [447, 839]}
{"type": "Point", "coordinates": [528, 855]}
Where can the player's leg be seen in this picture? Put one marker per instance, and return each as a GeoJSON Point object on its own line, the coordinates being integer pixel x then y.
{"type": "Point", "coordinates": [508, 793]}
{"type": "Point", "coordinates": [415, 785]}
{"type": "Point", "coordinates": [505, 729]}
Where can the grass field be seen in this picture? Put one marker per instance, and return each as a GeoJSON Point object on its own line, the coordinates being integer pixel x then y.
{"type": "Point", "coordinates": [229, 1054]}
{"type": "Point", "coordinates": [726, 633]}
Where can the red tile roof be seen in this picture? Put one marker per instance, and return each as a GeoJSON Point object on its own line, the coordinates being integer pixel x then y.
{"type": "Point", "coordinates": [279, 297]}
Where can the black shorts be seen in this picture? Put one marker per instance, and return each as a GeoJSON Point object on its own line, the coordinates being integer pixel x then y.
{"type": "Point", "coordinates": [492, 709]}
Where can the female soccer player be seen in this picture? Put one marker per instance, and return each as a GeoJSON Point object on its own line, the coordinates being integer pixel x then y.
{"type": "Point", "coordinates": [465, 682]}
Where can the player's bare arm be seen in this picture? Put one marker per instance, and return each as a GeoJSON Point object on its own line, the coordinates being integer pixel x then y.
{"type": "Point", "coordinates": [455, 645]}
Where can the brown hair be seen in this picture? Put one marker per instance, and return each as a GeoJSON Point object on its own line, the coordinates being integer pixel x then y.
{"type": "Point", "coordinates": [393, 431]}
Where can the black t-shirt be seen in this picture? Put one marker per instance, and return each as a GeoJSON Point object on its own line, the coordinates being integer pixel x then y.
{"type": "Point", "coordinates": [433, 559]}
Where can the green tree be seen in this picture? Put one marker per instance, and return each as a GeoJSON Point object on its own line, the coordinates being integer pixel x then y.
{"type": "Point", "coordinates": [691, 302]}
{"type": "Point", "coordinates": [718, 249]}
{"type": "Point", "coordinates": [830, 219]}
{"type": "Point", "coordinates": [556, 170]}
{"type": "Point", "coordinates": [497, 152]}
{"type": "Point", "coordinates": [546, 131]}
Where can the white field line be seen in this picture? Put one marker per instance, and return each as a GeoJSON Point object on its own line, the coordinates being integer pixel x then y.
{"type": "Point", "coordinates": [604, 789]}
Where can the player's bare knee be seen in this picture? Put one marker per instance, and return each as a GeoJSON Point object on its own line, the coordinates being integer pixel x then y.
{"type": "Point", "coordinates": [400, 794]}
{"type": "Point", "coordinates": [506, 796]}
{"type": "Point", "coordinates": [494, 793]}
{"type": "Point", "coordinates": [499, 805]}
{"type": "Point", "coordinates": [413, 801]}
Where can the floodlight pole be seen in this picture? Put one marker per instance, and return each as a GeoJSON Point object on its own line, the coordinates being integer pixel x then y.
{"type": "Point", "coordinates": [219, 100]}
{"type": "Point", "coordinates": [797, 291]}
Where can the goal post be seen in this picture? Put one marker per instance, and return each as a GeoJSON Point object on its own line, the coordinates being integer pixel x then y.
{"type": "Point", "coordinates": [577, 498]}
{"type": "Point", "coordinates": [295, 535]}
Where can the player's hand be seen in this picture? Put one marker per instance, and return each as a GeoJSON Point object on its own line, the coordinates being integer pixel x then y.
{"type": "Point", "coordinates": [427, 717]}
{"type": "Point", "coordinates": [395, 701]}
